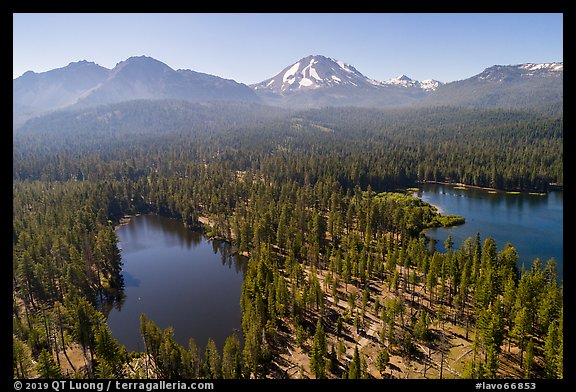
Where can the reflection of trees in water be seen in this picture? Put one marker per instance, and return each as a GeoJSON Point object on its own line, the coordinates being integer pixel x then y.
{"type": "Point", "coordinates": [216, 247]}
{"type": "Point", "coordinates": [176, 231]}
{"type": "Point", "coordinates": [112, 298]}
{"type": "Point", "coordinates": [511, 201]}
{"type": "Point", "coordinates": [170, 227]}
{"type": "Point", "coordinates": [192, 239]}
{"type": "Point", "coordinates": [229, 256]}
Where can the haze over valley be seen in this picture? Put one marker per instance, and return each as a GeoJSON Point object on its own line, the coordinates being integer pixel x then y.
{"type": "Point", "coordinates": [288, 196]}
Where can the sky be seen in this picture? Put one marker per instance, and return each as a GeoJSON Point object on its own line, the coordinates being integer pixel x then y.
{"type": "Point", "coordinates": [250, 48]}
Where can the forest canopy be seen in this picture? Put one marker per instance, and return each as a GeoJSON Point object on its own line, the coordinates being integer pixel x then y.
{"type": "Point", "coordinates": [315, 200]}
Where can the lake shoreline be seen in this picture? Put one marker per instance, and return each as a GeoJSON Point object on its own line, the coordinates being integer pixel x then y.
{"type": "Point", "coordinates": [125, 220]}
{"type": "Point", "coordinates": [505, 217]}
{"type": "Point", "coordinates": [204, 222]}
{"type": "Point", "coordinates": [415, 194]}
{"type": "Point", "coordinates": [460, 184]}
{"type": "Point", "coordinates": [163, 260]}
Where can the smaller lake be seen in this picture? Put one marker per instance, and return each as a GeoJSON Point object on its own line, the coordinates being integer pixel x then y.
{"type": "Point", "coordinates": [177, 278]}
{"type": "Point", "coordinates": [532, 223]}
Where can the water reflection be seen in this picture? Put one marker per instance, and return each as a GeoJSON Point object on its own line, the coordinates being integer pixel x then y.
{"type": "Point", "coordinates": [174, 232]}
{"type": "Point", "coordinates": [130, 280]}
{"type": "Point", "coordinates": [532, 223]}
{"type": "Point", "coordinates": [177, 278]}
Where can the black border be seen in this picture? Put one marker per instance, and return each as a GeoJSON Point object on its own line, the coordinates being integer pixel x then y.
{"type": "Point", "coordinates": [464, 6]}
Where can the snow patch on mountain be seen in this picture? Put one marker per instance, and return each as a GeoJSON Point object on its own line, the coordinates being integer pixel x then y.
{"type": "Point", "coordinates": [555, 67]}
{"type": "Point", "coordinates": [343, 65]}
{"type": "Point", "coordinates": [502, 73]}
{"type": "Point", "coordinates": [406, 82]}
{"type": "Point", "coordinates": [314, 74]}
{"type": "Point", "coordinates": [429, 84]}
{"type": "Point", "coordinates": [401, 80]}
{"type": "Point", "coordinates": [291, 72]}
{"type": "Point", "coordinates": [305, 82]}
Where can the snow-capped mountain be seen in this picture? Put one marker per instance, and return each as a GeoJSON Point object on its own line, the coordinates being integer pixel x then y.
{"type": "Point", "coordinates": [312, 82]}
{"type": "Point", "coordinates": [314, 72]}
{"type": "Point", "coordinates": [513, 86]}
{"type": "Point", "coordinates": [548, 67]}
{"type": "Point", "coordinates": [318, 71]}
{"type": "Point", "coordinates": [405, 81]}
{"type": "Point", "coordinates": [501, 73]}
{"type": "Point", "coordinates": [317, 81]}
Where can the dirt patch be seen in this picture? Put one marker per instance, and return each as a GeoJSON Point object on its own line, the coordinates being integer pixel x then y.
{"type": "Point", "coordinates": [206, 221]}
{"type": "Point", "coordinates": [76, 356]}
{"type": "Point", "coordinates": [445, 355]}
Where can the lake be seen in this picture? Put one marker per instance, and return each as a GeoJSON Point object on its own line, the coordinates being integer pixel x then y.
{"type": "Point", "coordinates": [178, 278]}
{"type": "Point", "coordinates": [532, 223]}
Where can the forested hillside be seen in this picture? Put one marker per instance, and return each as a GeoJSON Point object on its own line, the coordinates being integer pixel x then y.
{"type": "Point", "coordinates": [341, 282]}
{"type": "Point", "coordinates": [504, 149]}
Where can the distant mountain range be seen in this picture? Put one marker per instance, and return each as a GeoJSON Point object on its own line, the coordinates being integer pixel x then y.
{"type": "Point", "coordinates": [85, 84]}
{"type": "Point", "coordinates": [312, 82]}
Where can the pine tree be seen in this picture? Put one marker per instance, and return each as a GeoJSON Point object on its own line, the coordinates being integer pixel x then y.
{"type": "Point", "coordinates": [212, 362]}
{"type": "Point", "coordinates": [47, 366]}
{"type": "Point", "coordinates": [318, 352]}
{"type": "Point", "coordinates": [508, 262]}
{"type": "Point", "coordinates": [282, 231]}
{"type": "Point", "coordinates": [508, 300]}
{"type": "Point", "coordinates": [232, 358]}
{"type": "Point", "coordinates": [382, 361]}
{"type": "Point", "coordinates": [522, 327]}
{"type": "Point", "coordinates": [86, 320]}
{"type": "Point", "coordinates": [354, 369]}
{"type": "Point", "coordinates": [104, 370]}
{"type": "Point", "coordinates": [363, 367]}
{"type": "Point", "coordinates": [194, 359]}
{"type": "Point", "coordinates": [549, 305]}
{"type": "Point", "coordinates": [152, 336]}
{"type": "Point", "coordinates": [491, 362]}
{"type": "Point", "coordinates": [170, 362]}
{"type": "Point", "coordinates": [469, 370]}
{"type": "Point", "coordinates": [529, 362]}
{"type": "Point", "coordinates": [318, 233]}
{"type": "Point", "coordinates": [108, 351]}
{"type": "Point", "coordinates": [551, 354]}
{"type": "Point", "coordinates": [21, 359]}
{"type": "Point", "coordinates": [421, 326]}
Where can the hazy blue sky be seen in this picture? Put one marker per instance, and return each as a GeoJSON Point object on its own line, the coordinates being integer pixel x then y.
{"type": "Point", "coordinates": [250, 48]}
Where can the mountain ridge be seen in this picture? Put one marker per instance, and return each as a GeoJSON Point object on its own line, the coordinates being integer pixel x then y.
{"type": "Point", "coordinates": [504, 86]}
{"type": "Point", "coordinates": [138, 77]}
{"type": "Point", "coordinates": [314, 81]}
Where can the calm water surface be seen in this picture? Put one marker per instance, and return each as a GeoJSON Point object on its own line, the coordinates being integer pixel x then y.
{"type": "Point", "coordinates": [532, 223]}
{"type": "Point", "coordinates": [181, 279]}
{"type": "Point", "coordinates": [178, 278]}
